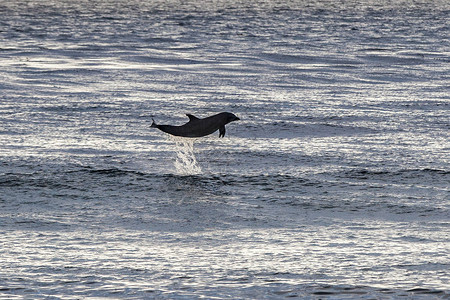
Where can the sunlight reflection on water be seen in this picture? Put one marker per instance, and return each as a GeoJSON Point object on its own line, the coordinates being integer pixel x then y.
{"type": "Point", "coordinates": [333, 184]}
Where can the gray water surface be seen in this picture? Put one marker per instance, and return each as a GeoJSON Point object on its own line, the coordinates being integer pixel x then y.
{"type": "Point", "coordinates": [334, 184]}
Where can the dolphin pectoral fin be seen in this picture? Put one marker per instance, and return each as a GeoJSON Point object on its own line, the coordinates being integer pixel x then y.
{"type": "Point", "coordinates": [222, 131]}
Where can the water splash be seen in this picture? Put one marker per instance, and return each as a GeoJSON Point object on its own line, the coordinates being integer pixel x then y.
{"type": "Point", "coordinates": [185, 161]}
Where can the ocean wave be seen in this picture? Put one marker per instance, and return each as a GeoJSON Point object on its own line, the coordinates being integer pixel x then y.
{"type": "Point", "coordinates": [334, 184]}
{"type": "Point", "coordinates": [310, 59]}
{"type": "Point", "coordinates": [431, 175]}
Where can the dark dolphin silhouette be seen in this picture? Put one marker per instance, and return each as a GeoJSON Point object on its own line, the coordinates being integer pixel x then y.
{"type": "Point", "coordinates": [199, 127]}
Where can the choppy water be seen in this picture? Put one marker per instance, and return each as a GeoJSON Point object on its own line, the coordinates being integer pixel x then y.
{"type": "Point", "coordinates": [335, 183]}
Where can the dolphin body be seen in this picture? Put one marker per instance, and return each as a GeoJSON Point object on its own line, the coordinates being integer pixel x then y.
{"type": "Point", "coordinates": [197, 127]}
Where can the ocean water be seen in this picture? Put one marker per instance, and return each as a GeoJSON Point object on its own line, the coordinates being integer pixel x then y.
{"type": "Point", "coordinates": [334, 184]}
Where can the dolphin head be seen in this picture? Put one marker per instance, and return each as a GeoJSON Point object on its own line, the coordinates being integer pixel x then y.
{"type": "Point", "coordinates": [231, 117]}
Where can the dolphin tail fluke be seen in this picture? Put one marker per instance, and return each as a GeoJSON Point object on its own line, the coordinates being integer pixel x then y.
{"type": "Point", "coordinates": [154, 123]}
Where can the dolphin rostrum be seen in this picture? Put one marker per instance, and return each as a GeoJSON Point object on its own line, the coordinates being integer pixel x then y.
{"type": "Point", "coordinates": [199, 127]}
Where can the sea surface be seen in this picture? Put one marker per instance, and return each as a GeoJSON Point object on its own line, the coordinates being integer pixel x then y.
{"type": "Point", "coordinates": [335, 184]}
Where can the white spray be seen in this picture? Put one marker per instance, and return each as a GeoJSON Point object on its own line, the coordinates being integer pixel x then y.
{"type": "Point", "coordinates": [185, 161]}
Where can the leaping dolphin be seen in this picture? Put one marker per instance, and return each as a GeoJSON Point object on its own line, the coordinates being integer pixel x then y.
{"type": "Point", "coordinates": [199, 127]}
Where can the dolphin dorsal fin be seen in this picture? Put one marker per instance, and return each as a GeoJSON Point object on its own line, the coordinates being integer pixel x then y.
{"type": "Point", "coordinates": [192, 117]}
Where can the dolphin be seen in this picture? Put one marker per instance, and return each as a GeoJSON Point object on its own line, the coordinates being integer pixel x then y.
{"type": "Point", "coordinates": [197, 127]}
